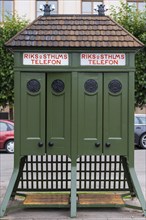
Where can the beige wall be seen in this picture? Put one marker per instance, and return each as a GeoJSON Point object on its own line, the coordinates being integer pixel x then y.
{"type": "Point", "coordinates": [26, 8]}
{"type": "Point", "coordinates": [140, 111]}
{"type": "Point", "coordinates": [69, 7]}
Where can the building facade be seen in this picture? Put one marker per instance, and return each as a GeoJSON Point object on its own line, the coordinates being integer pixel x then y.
{"type": "Point", "coordinates": [31, 9]}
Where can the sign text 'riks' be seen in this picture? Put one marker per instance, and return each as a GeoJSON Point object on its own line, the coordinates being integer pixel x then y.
{"type": "Point", "coordinates": [46, 59]}
{"type": "Point", "coordinates": [102, 59]}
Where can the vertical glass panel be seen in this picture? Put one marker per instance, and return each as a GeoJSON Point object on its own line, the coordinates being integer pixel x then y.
{"type": "Point", "coordinates": [138, 5]}
{"type": "Point", "coordinates": [8, 8]}
{"type": "Point", "coordinates": [133, 5]}
{"type": "Point", "coordinates": [86, 8]}
{"type": "Point", "coordinates": [39, 3]}
{"type": "Point", "coordinates": [142, 6]}
{"type": "Point", "coordinates": [89, 6]}
{"type": "Point", "coordinates": [0, 11]}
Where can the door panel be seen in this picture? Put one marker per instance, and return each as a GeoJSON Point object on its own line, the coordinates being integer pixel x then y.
{"type": "Point", "coordinates": [115, 113]}
{"type": "Point", "coordinates": [58, 113]}
{"type": "Point", "coordinates": [102, 111]}
{"type": "Point", "coordinates": [32, 113]}
{"type": "Point", "coordinates": [89, 113]}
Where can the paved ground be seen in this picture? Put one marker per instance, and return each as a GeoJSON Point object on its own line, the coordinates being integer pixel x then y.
{"type": "Point", "coordinates": [6, 165]}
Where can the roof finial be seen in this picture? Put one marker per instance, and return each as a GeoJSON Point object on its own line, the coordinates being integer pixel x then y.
{"type": "Point", "coordinates": [101, 10]}
{"type": "Point", "coordinates": [47, 9]}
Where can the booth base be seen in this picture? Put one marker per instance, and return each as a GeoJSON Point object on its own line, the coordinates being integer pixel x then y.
{"type": "Point", "coordinates": [72, 188]}
{"type": "Point", "coordinates": [83, 200]}
{"type": "Point", "coordinates": [100, 200]}
{"type": "Point", "coordinates": [40, 199]}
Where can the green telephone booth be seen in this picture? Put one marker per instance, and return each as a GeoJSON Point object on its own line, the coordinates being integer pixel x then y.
{"type": "Point", "coordinates": [74, 110]}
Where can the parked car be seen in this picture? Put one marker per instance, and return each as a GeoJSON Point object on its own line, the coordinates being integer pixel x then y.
{"type": "Point", "coordinates": [140, 130]}
{"type": "Point", "coordinates": [7, 136]}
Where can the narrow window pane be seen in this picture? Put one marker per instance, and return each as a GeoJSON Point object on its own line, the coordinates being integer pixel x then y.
{"type": "Point", "coordinates": [8, 8]}
{"type": "Point", "coordinates": [86, 8]}
{"type": "Point", "coordinates": [133, 5]}
{"type": "Point", "coordinates": [0, 11]}
{"type": "Point", "coordinates": [89, 6]}
{"type": "Point", "coordinates": [142, 6]}
{"type": "Point", "coordinates": [40, 3]}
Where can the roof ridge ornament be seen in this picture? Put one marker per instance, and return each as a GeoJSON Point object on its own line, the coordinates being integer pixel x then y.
{"type": "Point", "coordinates": [101, 10]}
{"type": "Point", "coordinates": [47, 9]}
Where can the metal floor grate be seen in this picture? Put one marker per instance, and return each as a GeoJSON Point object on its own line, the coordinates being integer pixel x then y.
{"type": "Point", "coordinates": [53, 173]}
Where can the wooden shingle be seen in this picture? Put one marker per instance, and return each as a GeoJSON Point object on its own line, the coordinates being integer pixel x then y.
{"type": "Point", "coordinates": [74, 31]}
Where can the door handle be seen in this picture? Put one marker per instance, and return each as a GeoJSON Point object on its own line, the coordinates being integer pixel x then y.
{"type": "Point", "coordinates": [40, 144]}
{"type": "Point", "coordinates": [107, 144]}
{"type": "Point", "coordinates": [50, 144]}
{"type": "Point", "coordinates": [97, 144]}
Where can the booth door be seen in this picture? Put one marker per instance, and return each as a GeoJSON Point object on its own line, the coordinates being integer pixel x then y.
{"type": "Point", "coordinates": [115, 93]}
{"type": "Point", "coordinates": [58, 113]}
{"type": "Point", "coordinates": [89, 113]}
{"type": "Point", "coordinates": [102, 113]}
{"type": "Point", "coordinates": [32, 128]}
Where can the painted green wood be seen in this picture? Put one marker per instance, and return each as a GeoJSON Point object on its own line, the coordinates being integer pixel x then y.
{"type": "Point", "coordinates": [32, 116]}
{"type": "Point", "coordinates": [74, 118]}
{"type": "Point", "coordinates": [131, 120]}
{"type": "Point", "coordinates": [115, 116]}
{"type": "Point", "coordinates": [89, 116]}
{"type": "Point", "coordinates": [73, 199]}
{"type": "Point", "coordinates": [138, 189]}
{"type": "Point", "coordinates": [8, 192]}
{"type": "Point", "coordinates": [58, 115]}
{"type": "Point", "coordinates": [17, 79]}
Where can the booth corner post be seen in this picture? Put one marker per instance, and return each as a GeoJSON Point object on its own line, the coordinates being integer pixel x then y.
{"type": "Point", "coordinates": [74, 107]}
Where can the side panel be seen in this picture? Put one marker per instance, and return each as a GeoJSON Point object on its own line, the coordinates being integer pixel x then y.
{"type": "Point", "coordinates": [58, 113]}
{"type": "Point", "coordinates": [32, 113]}
{"type": "Point", "coordinates": [115, 113]}
{"type": "Point", "coordinates": [89, 113]}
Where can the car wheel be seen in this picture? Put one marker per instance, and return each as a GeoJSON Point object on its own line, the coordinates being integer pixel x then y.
{"type": "Point", "coordinates": [143, 141]}
{"type": "Point", "coordinates": [9, 146]}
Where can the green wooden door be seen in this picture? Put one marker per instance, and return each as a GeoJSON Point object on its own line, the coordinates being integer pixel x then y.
{"type": "Point", "coordinates": [32, 113]}
{"type": "Point", "coordinates": [115, 113]}
{"type": "Point", "coordinates": [58, 113]}
{"type": "Point", "coordinates": [102, 111]}
{"type": "Point", "coordinates": [89, 113]}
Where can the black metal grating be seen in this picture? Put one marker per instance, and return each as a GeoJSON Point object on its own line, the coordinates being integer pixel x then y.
{"type": "Point", "coordinates": [115, 86]}
{"type": "Point", "coordinates": [33, 86]}
{"type": "Point", "coordinates": [53, 173]}
{"type": "Point", "coordinates": [58, 85]}
{"type": "Point", "coordinates": [91, 86]}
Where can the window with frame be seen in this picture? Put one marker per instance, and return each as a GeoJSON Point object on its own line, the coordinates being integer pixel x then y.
{"type": "Point", "coordinates": [138, 4]}
{"type": "Point", "coordinates": [89, 6]}
{"type": "Point", "coordinates": [40, 3]}
{"type": "Point", "coordinates": [6, 9]}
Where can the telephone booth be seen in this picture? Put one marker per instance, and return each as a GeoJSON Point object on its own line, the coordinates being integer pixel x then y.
{"type": "Point", "coordinates": [74, 110]}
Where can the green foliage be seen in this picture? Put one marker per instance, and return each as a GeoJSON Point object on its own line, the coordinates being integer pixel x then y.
{"type": "Point", "coordinates": [10, 27]}
{"type": "Point", "coordinates": [134, 21]}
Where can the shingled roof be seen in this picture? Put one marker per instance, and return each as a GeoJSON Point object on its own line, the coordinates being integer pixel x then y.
{"type": "Point", "coordinates": [74, 31]}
